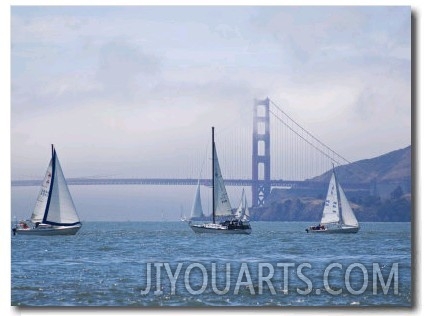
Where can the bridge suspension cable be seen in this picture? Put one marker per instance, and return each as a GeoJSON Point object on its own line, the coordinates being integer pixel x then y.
{"type": "Point", "coordinates": [341, 160]}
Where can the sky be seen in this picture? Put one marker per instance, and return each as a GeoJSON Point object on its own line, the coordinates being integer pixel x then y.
{"type": "Point", "coordinates": [133, 90]}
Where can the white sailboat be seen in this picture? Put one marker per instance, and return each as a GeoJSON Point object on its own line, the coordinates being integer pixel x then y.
{"type": "Point", "coordinates": [337, 215]}
{"type": "Point", "coordinates": [182, 215]}
{"type": "Point", "coordinates": [54, 212]}
{"type": "Point", "coordinates": [221, 207]}
{"type": "Point", "coordinates": [242, 211]}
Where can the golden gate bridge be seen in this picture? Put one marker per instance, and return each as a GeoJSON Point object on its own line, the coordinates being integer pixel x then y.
{"type": "Point", "coordinates": [275, 144]}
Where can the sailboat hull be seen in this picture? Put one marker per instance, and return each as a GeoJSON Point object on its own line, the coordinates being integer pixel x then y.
{"type": "Point", "coordinates": [48, 231]}
{"type": "Point", "coordinates": [220, 229]}
{"type": "Point", "coordinates": [338, 230]}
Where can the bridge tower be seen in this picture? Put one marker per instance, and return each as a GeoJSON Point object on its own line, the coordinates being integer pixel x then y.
{"type": "Point", "coordinates": [261, 157]}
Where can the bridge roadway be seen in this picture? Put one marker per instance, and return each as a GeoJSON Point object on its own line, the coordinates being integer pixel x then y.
{"type": "Point", "coordinates": [206, 182]}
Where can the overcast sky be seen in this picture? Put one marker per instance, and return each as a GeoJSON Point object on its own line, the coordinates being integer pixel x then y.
{"type": "Point", "coordinates": [133, 91]}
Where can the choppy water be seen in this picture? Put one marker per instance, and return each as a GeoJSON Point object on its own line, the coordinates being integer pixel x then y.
{"type": "Point", "coordinates": [279, 264]}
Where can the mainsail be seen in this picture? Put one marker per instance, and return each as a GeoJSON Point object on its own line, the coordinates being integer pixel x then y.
{"type": "Point", "coordinates": [222, 203]}
{"type": "Point", "coordinates": [40, 204]}
{"type": "Point", "coordinates": [331, 208]}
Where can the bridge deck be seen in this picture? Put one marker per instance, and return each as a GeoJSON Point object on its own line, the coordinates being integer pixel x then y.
{"type": "Point", "coordinates": [188, 181]}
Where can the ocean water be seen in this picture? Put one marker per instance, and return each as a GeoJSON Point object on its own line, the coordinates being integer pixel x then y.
{"type": "Point", "coordinates": [166, 264]}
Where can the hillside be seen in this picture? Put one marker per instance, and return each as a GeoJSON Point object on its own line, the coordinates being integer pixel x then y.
{"type": "Point", "coordinates": [394, 166]}
{"type": "Point", "coordinates": [388, 198]}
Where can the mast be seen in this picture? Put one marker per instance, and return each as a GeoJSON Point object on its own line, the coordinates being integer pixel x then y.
{"type": "Point", "coordinates": [213, 175]}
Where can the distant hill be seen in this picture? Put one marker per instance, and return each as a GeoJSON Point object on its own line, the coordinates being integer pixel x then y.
{"type": "Point", "coordinates": [387, 194]}
{"type": "Point", "coordinates": [394, 166]}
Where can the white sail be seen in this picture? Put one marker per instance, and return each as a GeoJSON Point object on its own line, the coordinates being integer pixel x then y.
{"type": "Point", "coordinates": [61, 209]}
{"type": "Point", "coordinates": [222, 203]}
{"type": "Point", "coordinates": [40, 204]}
{"type": "Point", "coordinates": [240, 210]}
{"type": "Point", "coordinates": [348, 217]}
{"type": "Point", "coordinates": [197, 210]}
{"type": "Point", "coordinates": [246, 215]}
{"type": "Point", "coordinates": [330, 213]}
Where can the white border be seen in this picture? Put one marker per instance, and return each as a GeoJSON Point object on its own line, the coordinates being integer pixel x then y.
{"type": "Point", "coordinates": [5, 295]}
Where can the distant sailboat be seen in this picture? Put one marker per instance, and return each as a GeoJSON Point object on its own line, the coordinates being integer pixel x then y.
{"type": "Point", "coordinates": [54, 212]}
{"type": "Point", "coordinates": [337, 215]}
{"type": "Point", "coordinates": [242, 211]}
{"type": "Point", "coordinates": [221, 207]}
{"type": "Point", "coordinates": [182, 215]}
{"type": "Point", "coordinates": [197, 209]}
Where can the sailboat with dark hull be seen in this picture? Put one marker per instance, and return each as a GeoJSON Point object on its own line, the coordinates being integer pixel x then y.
{"type": "Point", "coordinates": [337, 215]}
{"type": "Point", "coordinates": [221, 207]}
{"type": "Point", "coordinates": [54, 212]}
